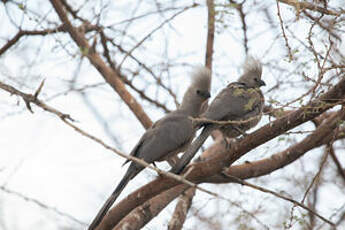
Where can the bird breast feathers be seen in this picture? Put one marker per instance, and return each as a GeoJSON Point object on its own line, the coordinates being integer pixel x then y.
{"type": "Point", "coordinates": [252, 96]}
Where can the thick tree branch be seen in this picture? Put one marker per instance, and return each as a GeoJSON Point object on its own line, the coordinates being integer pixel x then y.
{"type": "Point", "coordinates": [107, 72]}
{"type": "Point", "coordinates": [264, 166]}
{"type": "Point", "coordinates": [181, 209]}
{"type": "Point", "coordinates": [106, 54]}
{"type": "Point", "coordinates": [324, 134]}
{"type": "Point", "coordinates": [146, 68]}
{"type": "Point", "coordinates": [140, 216]}
{"type": "Point", "coordinates": [217, 160]}
{"type": "Point", "coordinates": [202, 170]}
{"type": "Point", "coordinates": [33, 98]}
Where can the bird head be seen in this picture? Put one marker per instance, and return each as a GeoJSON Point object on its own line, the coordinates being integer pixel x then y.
{"type": "Point", "coordinates": [198, 92]}
{"type": "Point", "coordinates": [201, 83]}
{"type": "Point", "coordinates": [251, 76]}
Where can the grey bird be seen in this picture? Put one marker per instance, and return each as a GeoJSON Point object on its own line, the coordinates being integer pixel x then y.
{"type": "Point", "coordinates": [240, 101]}
{"type": "Point", "coordinates": [168, 136]}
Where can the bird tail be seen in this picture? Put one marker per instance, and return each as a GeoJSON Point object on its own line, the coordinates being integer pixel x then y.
{"type": "Point", "coordinates": [132, 171]}
{"type": "Point", "coordinates": [193, 148]}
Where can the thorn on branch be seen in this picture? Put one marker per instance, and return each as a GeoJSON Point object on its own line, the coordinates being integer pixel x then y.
{"type": "Point", "coordinates": [39, 89]}
{"type": "Point", "coordinates": [30, 98]}
{"type": "Point", "coordinates": [65, 116]}
{"type": "Point", "coordinates": [27, 104]}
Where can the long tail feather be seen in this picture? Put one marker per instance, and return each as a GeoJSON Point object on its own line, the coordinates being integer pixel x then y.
{"type": "Point", "coordinates": [132, 171]}
{"type": "Point", "coordinates": [193, 149]}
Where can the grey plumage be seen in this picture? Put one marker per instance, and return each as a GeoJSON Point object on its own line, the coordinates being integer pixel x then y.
{"type": "Point", "coordinates": [239, 101]}
{"type": "Point", "coordinates": [167, 137]}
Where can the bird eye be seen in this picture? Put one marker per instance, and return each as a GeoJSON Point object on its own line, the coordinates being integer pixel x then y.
{"type": "Point", "coordinates": [198, 91]}
{"type": "Point", "coordinates": [255, 79]}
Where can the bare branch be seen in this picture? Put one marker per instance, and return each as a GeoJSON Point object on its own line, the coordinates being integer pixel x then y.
{"type": "Point", "coordinates": [340, 168]}
{"type": "Point", "coordinates": [283, 32]}
{"type": "Point", "coordinates": [262, 189]}
{"type": "Point", "coordinates": [22, 33]}
{"type": "Point", "coordinates": [300, 5]}
{"type": "Point", "coordinates": [203, 170]}
{"type": "Point", "coordinates": [239, 8]}
{"type": "Point", "coordinates": [112, 64]}
{"type": "Point", "coordinates": [107, 72]}
{"type": "Point", "coordinates": [322, 135]}
{"type": "Point", "coordinates": [156, 29]}
{"type": "Point", "coordinates": [29, 98]}
{"type": "Point", "coordinates": [140, 216]}
{"type": "Point", "coordinates": [210, 33]}
{"type": "Point", "coordinates": [181, 210]}
{"type": "Point", "coordinates": [42, 205]}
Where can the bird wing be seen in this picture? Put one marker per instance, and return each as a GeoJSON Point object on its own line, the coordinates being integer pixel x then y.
{"type": "Point", "coordinates": [234, 102]}
{"type": "Point", "coordinates": [166, 136]}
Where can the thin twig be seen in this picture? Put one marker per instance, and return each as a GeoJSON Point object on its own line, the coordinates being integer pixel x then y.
{"type": "Point", "coordinates": [29, 98]}
{"type": "Point", "coordinates": [340, 168]}
{"type": "Point", "coordinates": [111, 76]}
{"type": "Point", "coordinates": [283, 31]}
{"type": "Point", "coordinates": [256, 187]}
{"type": "Point", "coordinates": [42, 205]}
{"type": "Point", "coordinates": [154, 30]}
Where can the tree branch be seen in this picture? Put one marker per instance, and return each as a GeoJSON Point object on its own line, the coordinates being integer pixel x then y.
{"type": "Point", "coordinates": [140, 216]}
{"type": "Point", "coordinates": [341, 169]}
{"type": "Point", "coordinates": [42, 205]}
{"type": "Point", "coordinates": [325, 133]}
{"type": "Point", "coordinates": [202, 170]}
{"type": "Point", "coordinates": [33, 98]}
{"type": "Point", "coordinates": [181, 209]}
{"type": "Point", "coordinates": [107, 72]}
{"type": "Point", "coordinates": [210, 33]}
{"type": "Point", "coordinates": [300, 5]}
{"type": "Point", "coordinates": [262, 189]}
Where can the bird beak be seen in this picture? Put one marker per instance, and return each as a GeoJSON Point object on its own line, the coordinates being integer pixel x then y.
{"type": "Point", "coordinates": [262, 83]}
{"type": "Point", "coordinates": [207, 94]}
